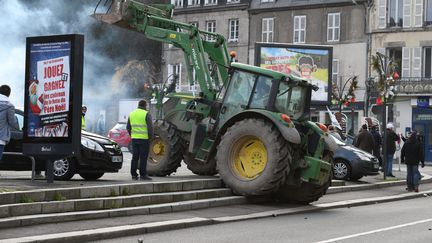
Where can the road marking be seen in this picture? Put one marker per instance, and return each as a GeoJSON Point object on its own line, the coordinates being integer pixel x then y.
{"type": "Point", "coordinates": [375, 231]}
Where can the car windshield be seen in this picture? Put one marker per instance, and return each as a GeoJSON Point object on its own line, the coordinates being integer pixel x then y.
{"type": "Point", "coordinates": [120, 126]}
{"type": "Point", "coordinates": [291, 100]}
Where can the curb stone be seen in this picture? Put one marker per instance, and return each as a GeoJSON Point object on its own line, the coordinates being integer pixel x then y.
{"type": "Point", "coordinates": [128, 230]}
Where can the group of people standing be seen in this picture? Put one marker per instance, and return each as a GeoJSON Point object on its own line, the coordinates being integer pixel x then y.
{"type": "Point", "coordinates": [411, 153]}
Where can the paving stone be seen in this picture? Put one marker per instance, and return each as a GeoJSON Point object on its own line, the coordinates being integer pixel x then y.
{"type": "Point", "coordinates": [181, 196]}
{"type": "Point", "coordinates": [52, 195]}
{"type": "Point", "coordinates": [161, 198]}
{"type": "Point", "coordinates": [57, 207]}
{"type": "Point", "coordinates": [167, 187]}
{"type": "Point", "coordinates": [132, 189]}
{"type": "Point", "coordinates": [93, 192]}
{"type": "Point", "coordinates": [136, 201]}
{"type": "Point", "coordinates": [7, 198]}
{"type": "Point", "coordinates": [25, 209]}
{"type": "Point", "coordinates": [91, 204]}
{"type": "Point", "coordinates": [4, 211]}
{"type": "Point", "coordinates": [192, 185]}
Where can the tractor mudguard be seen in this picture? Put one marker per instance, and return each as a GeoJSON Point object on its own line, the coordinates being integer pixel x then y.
{"type": "Point", "coordinates": [330, 144]}
{"type": "Point", "coordinates": [288, 130]}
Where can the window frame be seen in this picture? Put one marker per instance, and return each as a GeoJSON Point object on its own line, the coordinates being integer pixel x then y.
{"type": "Point", "coordinates": [210, 2]}
{"type": "Point", "coordinates": [233, 35]}
{"type": "Point", "coordinates": [265, 35]}
{"type": "Point", "coordinates": [194, 3]}
{"type": "Point", "coordinates": [299, 29]}
{"type": "Point", "coordinates": [398, 3]}
{"type": "Point", "coordinates": [211, 29]}
{"type": "Point", "coordinates": [333, 28]}
{"type": "Point", "coordinates": [177, 3]}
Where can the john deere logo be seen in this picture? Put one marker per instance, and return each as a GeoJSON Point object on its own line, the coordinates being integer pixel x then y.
{"type": "Point", "coordinates": [46, 149]}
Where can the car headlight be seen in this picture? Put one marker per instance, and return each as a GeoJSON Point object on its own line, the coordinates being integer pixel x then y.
{"type": "Point", "coordinates": [362, 156]}
{"type": "Point", "coordinates": [91, 144]}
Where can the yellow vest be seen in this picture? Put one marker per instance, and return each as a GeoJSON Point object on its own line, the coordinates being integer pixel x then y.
{"type": "Point", "coordinates": [83, 125]}
{"type": "Point", "coordinates": [137, 119]}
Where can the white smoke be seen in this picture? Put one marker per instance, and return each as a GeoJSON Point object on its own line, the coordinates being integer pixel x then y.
{"type": "Point", "coordinates": [102, 46]}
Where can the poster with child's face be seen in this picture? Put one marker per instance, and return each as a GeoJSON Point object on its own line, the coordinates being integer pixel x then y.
{"type": "Point", "coordinates": [312, 64]}
{"type": "Point", "coordinates": [48, 89]}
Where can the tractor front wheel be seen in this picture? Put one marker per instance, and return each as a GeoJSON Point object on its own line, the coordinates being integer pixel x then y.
{"type": "Point", "coordinates": [165, 153]}
{"type": "Point", "coordinates": [306, 192]}
{"type": "Point", "coordinates": [253, 158]}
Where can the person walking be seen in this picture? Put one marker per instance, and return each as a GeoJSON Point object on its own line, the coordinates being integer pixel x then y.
{"type": "Point", "coordinates": [365, 140]}
{"type": "Point", "coordinates": [7, 117]}
{"type": "Point", "coordinates": [83, 113]}
{"type": "Point", "coordinates": [391, 140]}
{"type": "Point", "coordinates": [100, 126]}
{"type": "Point", "coordinates": [139, 126]}
{"type": "Point", "coordinates": [377, 144]}
{"type": "Point", "coordinates": [411, 155]}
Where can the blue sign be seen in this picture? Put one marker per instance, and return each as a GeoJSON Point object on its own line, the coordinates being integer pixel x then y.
{"type": "Point", "coordinates": [423, 102]}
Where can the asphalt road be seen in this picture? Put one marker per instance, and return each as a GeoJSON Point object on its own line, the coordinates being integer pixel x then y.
{"type": "Point", "coordinates": [399, 221]}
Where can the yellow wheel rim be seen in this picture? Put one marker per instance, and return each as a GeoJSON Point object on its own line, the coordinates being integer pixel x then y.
{"type": "Point", "coordinates": [250, 157]}
{"type": "Point", "coordinates": [157, 149]}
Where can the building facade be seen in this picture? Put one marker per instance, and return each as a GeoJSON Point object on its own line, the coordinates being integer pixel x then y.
{"type": "Point", "coordinates": [402, 31]}
{"type": "Point", "coordinates": [226, 17]}
{"type": "Point", "coordinates": [340, 24]}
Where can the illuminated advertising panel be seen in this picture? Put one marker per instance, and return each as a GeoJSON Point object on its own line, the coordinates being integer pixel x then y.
{"type": "Point", "coordinates": [309, 62]}
{"type": "Point", "coordinates": [53, 93]}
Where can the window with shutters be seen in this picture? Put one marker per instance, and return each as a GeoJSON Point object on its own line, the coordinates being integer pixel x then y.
{"type": "Point", "coordinates": [335, 71]}
{"type": "Point", "coordinates": [418, 13]}
{"type": "Point", "coordinates": [395, 54]}
{"type": "Point", "coordinates": [406, 62]}
{"type": "Point", "coordinates": [174, 71]}
{"type": "Point", "coordinates": [416, 62]}
{"type": "Point", "coordinates": [193, 3]}
{"type": "Point", "coordinates": [333, 26]}
{"type": "Point", "coordinates": [210, 2]}
{"type": "Point", "coordinates": [299, 29]}
{"type": "Point", "coordinates": [177, 3]}
{"type": "Point", "coordinates": [233, 1]}
{"type": "Point", "coordinates": [395, 13]}
{"type": "Point", "coordinates": [211, 27]}
{"type": "Point", "coordinates": [267, 29]}
{"type": "Point", "coordinates": [427, 62]}
{"type": "Point", "coordinates": [233, 35]}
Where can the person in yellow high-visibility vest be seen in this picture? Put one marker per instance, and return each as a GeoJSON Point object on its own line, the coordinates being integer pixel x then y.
{"type": "Point", "coordinates": [139, 126]}
{"type": "Point", "coordinates": [83, 112]}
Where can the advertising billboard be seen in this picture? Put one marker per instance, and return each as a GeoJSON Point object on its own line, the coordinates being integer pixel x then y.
{"type": "Point", "coordinates": [310, 62]}
{"type": "Point", "coordinates": [53, 94]}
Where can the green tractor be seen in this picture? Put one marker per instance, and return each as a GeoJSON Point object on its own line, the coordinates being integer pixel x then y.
{"type": "Point", "coordinates": [247, 123]}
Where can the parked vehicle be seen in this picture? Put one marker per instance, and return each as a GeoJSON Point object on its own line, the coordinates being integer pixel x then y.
{"type": "Point", "coordinates": [351, 163]}
{"type": "Point", "coordinates": [99, 155]}
{"type": "Point", "coordinates": [120, 135]}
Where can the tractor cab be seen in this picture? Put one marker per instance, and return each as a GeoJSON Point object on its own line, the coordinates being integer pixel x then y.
{"type": "Point", "coordinates": [253, 88]}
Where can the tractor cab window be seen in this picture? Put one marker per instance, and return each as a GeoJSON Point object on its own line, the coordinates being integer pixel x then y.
{"type": "Point", "coordinates": [261, 93]}
{"type": "Point", "coordinates": [240, 89]}
{"type": "Point", "coordinates": [291, 100]}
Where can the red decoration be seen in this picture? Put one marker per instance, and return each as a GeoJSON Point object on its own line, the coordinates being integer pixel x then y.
{"type": "Point", "coordinates": [395, 75]}
{"type": "Point", "coordinates": [353, 99]}
{"type": "Point", "coordinates": [379, 100]}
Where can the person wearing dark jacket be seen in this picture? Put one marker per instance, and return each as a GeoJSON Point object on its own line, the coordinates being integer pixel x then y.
{"type": "Point", "coordinates": [377, 144]}
{"type": "Point", "coordinates": [365, 140]}
{"type": "Point", "coordinates": [139, 126]}
{"type": "Point", "coordinates": [392, 138]}
{"type": "Point", "coordinates": [411, 155]}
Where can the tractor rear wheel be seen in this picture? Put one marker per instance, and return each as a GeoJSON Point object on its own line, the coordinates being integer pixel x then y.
{"type": "Point", "coordinates": [253, 158]}
{"type": "Point", "coordinates": [306, 192]}
{"type": "Point", "coordinates": [200, 168]}
{"type": "Point", "coordinates": [165, 154]}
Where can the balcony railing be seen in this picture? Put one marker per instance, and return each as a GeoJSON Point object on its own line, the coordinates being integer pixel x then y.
{"type": "Point", "coordinates": [414, 85]}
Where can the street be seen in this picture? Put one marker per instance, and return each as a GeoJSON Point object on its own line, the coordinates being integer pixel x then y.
{"type": "Point", "coordinates": [399, 221]}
